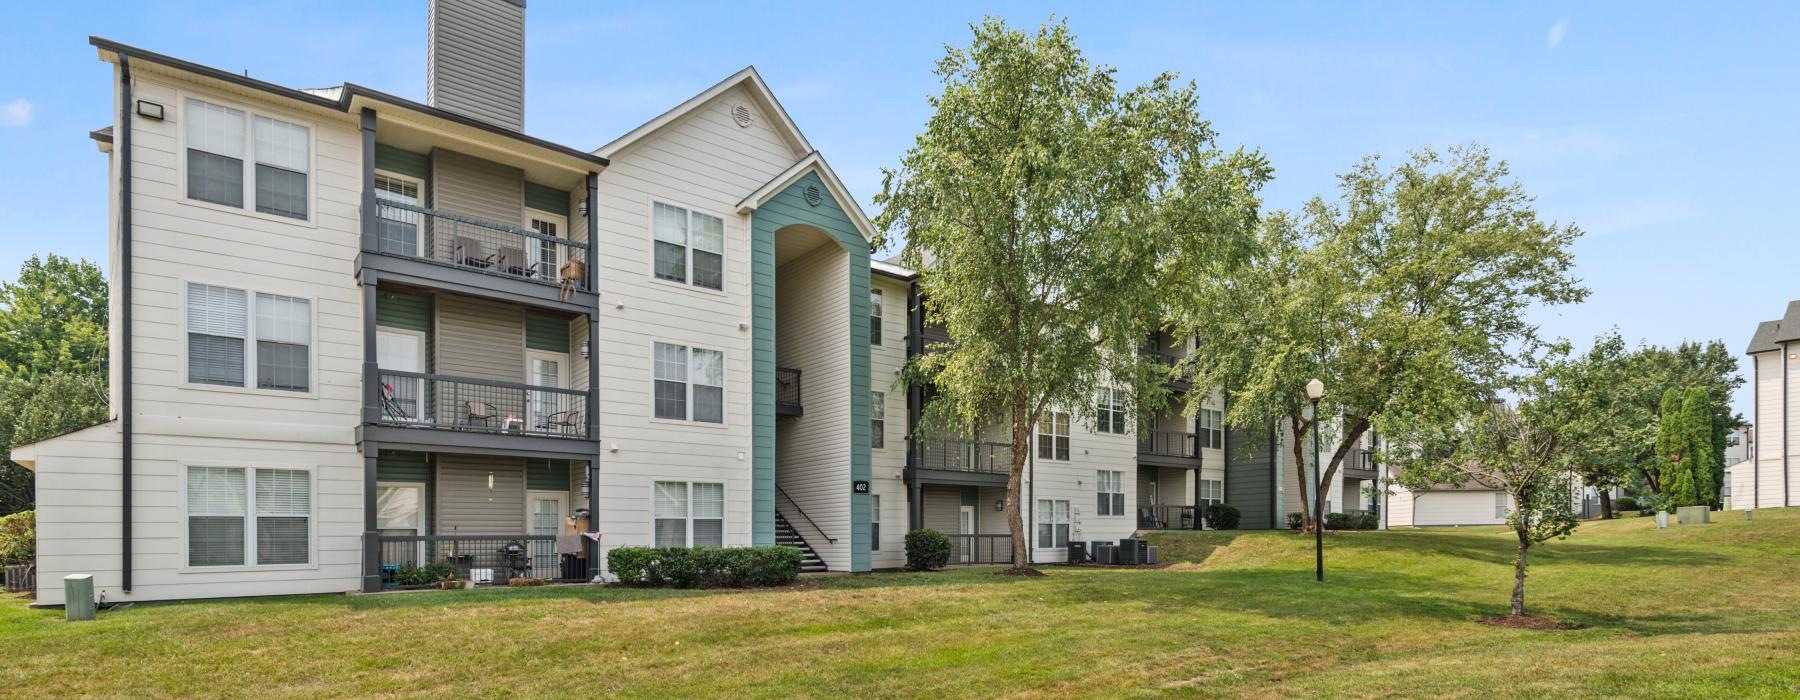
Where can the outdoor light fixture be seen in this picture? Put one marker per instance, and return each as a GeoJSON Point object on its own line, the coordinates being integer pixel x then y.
{"type": "Point", "coordinates": [584, 350]}
{"type": "Point", "coordinates": [149, 110]}
{"type": "Point", "coordinates": [582, 207]}
{"type": "Point", "coordinates": [1000, 505]}
{"type": "Point", "coordinates": [1315, 390]}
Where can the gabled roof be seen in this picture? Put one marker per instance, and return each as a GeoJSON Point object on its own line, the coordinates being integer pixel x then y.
{"type": "Point", "coordinates": [1764, 338]}
{"type": "Point", "coordinates": [751, 80]}
{"type": "Point", "coordinates": [812, 163]}
{"type": "Point", "coordinates": [1790, 324]}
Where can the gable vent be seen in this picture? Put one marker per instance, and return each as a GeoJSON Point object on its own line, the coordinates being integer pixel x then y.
{"type": "Point", "coordinates": [741, 114]}
{"type": "Point", "coordinates": [813, 195]}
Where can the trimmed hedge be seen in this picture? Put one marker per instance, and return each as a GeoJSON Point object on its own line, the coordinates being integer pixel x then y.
{"type": "Point", "coordinates": [927, 550]}
{"type": "Point", "coordinates": [1222, 516]}
{"type": "Point", "coordinates": [1351, 521]}
{"type": "Point", "coordinates": [705, 567]}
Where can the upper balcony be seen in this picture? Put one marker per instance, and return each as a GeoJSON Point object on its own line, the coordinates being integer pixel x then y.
{"type": "Point", "coordinates": [954, 460]}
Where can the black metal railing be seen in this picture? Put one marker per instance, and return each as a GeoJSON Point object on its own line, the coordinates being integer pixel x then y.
{"type": "Point", "coordinates": [787, 392]}
{"type": "Point", "coordinates": [803, 516]}
{"type": "Point", "coordinates": [470, 243]}
{"type": "Point", "coordinates": [484, 559]}
{"type": "Point", "coordinates": [1166, 517]}
{"type": "Point", "coordinates": [981, 549]}
{"type": "Point", "coordinates": [416, 399]}
{"type": "Point", "coordinates": [965, 455]}
{"type": "Point", "coordinates": [1168, 444]}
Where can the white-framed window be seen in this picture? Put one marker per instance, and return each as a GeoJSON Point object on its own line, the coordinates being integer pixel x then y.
{"type": "Point", "coordinates": [1053, 524]}
{"type": "Point", "coordinates": [874, 522]}
{"type": "Point", "coordinates": [234, 156]}
{"type": "Point", "coordinates": [1212, 429]}
{"type": "Point", "coordinates": [1212, 491]}
{"type": "Point", "coordinates": [690, 246]}
{"type": "Point", "coordinates": [689, 383]}
{"type": "Point", "coordinates": [1112, 412]}
{"type": "Point", "coordinates": [1500, 505]}
{"type": "Point", "coordinates": [1109, 488]}
{"type": "Point", "coordinates": [875, 315]}
{"type": "Point", "coordinates": [396, 229]}
{"type": "Point", "coordinates": [219, 324]}
{"type": "Point", "coordinates": [240, 516]}
{"type": "Point", "coordinates": [878, 420]}
{"type": "Point", "coordinates": [689, 514]}
{"type": "Point", "coordinates": [1053, 436]}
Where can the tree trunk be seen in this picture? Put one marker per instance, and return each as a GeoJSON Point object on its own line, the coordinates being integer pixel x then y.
{"type": "Point", "coordinates": [1306, 486]}
{"type": "Point", "coordinates": [1518, 593]}
{"type": "Point", "coordinates": [1606, 512]}
{"type": "Point", "coordinates": [1015, 479]}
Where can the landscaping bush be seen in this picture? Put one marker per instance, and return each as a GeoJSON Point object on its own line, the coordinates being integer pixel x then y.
{"type": "Point", "coordinates": [1222, 516]}
{"type": "Point", "coordinates": [927, 550]}
{"type": "Point", "coordinates": [427, 575]}
{"type": "Point", "coordinates": [705, 567]}
{"type": "Point", "coordinates": [18, 537]}
{"type": "Point", "coordinates": [1351, 521]}
{"type": "Point", "coordinates": [1293, 521]}
{"type": "Point", "coordinates": [1625, 503]}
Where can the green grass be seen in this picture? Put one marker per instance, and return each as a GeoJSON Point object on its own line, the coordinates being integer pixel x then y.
{"type": "Point", "coordinates": [1691, 611]}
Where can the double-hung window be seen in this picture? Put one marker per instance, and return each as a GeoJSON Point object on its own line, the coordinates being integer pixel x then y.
{"type": "Point", "coordinates": [1212, 492]}
{"type": "Point", "coordinates": [1500, 505]}
{"type": "Point", "coordinates": [689, 383]}
{"type": "Point", "coordinates": [1212, 429]}
{"type": "Point", "coordinates": [1053, 524]}
{"type": "Point", "coordinates": [219, 322]}
{"type": "Point", "coordinates": [397, 228]}
{"type": "Point", "coordinates": [1053, 436]}
{"type": "Point", "coordinates": [689, 514]}
{"type": "Point", "coordinates": [874, 522]}
{"type": "Point", "coordinates": [1110, 492]}
{"type": "Point", "coordinates": [878, 420]}
{"type": "Point", "coordinates": [1112, 412]}
{"type": "Point", "coordinates": [875, 315]}
{"type": "Point", "coordinates": [224, 143]}
{"type": "Point", "coordinates": [690, 246]}
{"type": "Point", "coordinates": [233, 511]}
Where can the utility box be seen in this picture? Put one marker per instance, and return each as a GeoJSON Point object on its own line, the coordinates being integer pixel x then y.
{"type": "Point", "coordinates": [1152, 557]}
{"type": "Point", "coordinates": [1693, 515]}
{"type": "Point", "coordinates": [1077, 551]}
{"type": "Point", "coordinates": [1106, 554]}
{"type": "Point", "coordinates": [78, 597]}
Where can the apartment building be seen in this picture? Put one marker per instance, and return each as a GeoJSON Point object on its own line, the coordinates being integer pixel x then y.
{"type": "Point", "coordinates": [1767, 476]}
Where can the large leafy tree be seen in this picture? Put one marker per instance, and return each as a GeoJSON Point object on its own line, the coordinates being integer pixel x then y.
{"type": "Point", "coordinates": [1405, 297]}
{"type": "Point", "coordinates": [37, 409]}
{"type": "Point", "coordinates": [1708, 366]}
{"type": "Point", "coordinates": [1606, 426]}
{"type": "Point", "coordinates": [1041, 203]}
{"type": "Point", "coordinates": [53, 345]}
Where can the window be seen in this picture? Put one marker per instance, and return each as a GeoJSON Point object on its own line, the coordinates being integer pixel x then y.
{"type": "Point", "coordinates": [221, 529]}
{"type": "Point", "coordinates": [1053, 526]}
{"type": "Point", "coordinates": [222, 142]}
{"type": "Point", "coordinates": [681, 383]}
{"type": "Point", "coordinates": [1212, 429]}
{"type": "Point", "coordinates": [878, 421]}
{"type": "Point", "coordinates": [218, 323]}
{"type": "Point", "coordinates": [1112, 412]}
{"type": "Point", "coordinates": [396, 228]}
{"type": "Point", "coordinates": [874, 522]}
{"type": "Point", "coordinates": [690, 246]}
{"type": "Point", "coordinates": [689, 514]}
{"type": "Point", "coordinates": [1053, 436]}
{"type": "Point", "coordinates": [1500, 505]}
{"type": "Point", "coordinates": [1212, 491]}
{"type": "Point", "coordinates": [1110, 492]}
{"type": "Point", "coordinates": [875, 314]}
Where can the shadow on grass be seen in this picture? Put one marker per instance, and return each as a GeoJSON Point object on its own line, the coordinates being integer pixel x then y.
{"type": "Point", "coordinates": [1501, 547]}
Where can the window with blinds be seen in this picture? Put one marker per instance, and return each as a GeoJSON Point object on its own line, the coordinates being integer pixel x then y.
{"type": "Point", "coordinates": [1053, 436]}
{"type": "Point", "coordinates": [1212, 429]}
{"type": "Point", "coordinates": [709, 386]}
{"type": "Point", "coordinates": [283, 342]}
{"type": "Point", "coordinates": [878, 420]}
{"type": "Point", "coordinates": [687, 378]}
{"type": "Point", "coordinates": [875, 316]}
{"type": "Point", "coordinates": [397, 230]}
{"type": "Point", "coordinates": [1053, 524]}
{"type": "Point", "coordinates": [282, 157]}
{"type": "Point", "coordinates": [219, 323]}
{"type": "Point", "coordinates": [689, 514]}
{"type": "Point", "coordinates": [232, 509]}
{"type": "Point", "coordinates": [1109, 492]}
{"type": "Point", "coordinates": [215, 153]}
{"type": "Point", "coordinates": [671, 381]}
{"type": "Point", "coordinates": [1212, 491]}
{"type": "Point", "coordinates": [223, 142]}
{"type": "Point", "coordinates": [690, 246]}
{"type": "Point", "coordinates": [216, 325]}
{"type": "Point", "coordinates": [1111, 416]}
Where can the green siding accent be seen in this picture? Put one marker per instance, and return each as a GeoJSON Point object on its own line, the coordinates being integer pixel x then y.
{"type": "Point", "coordinates": [546, 198]}
{"type": "Point", "coordinates": [547, 475]}
{"type": "Point", "coordinates": [782, 210]}
{"type": "Point", "coordinates": [402, 162]}
{"type": "Point", "coordinates": [409, 312]}
{"type": "Point", "coordinates": [409, 467]}
{"type": "Point", "coordinates": [546, 333]}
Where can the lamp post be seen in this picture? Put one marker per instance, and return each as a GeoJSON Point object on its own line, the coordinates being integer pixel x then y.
{"type": "Point", "coordinates": [1315, 390]}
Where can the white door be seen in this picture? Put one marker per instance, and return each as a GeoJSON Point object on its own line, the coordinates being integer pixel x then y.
{"type": "Point", "coordinates": [551, 412]}
{"type": "Point", "coordinates": [401, 351]}
{"type": "Point", "coordinates": [965, 525]}
{"type": "Point", "coordinates": [400, 510]}
{"type": "Point", "coordinates": [545, 511]}
{"type": "Point", "coordinates": [545, 256]}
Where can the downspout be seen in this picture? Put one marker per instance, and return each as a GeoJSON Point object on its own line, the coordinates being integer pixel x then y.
{"type": "Point", "coordinates": [915, 399]}
{"type": "Point", "coordinates": [1785, 428]}
{"type": "Point", "coordinates": [1380, 478]}
{"type": "Point", "coordinates": [371, 387]}
{"type": "Point", "coordinates": [1755, 459]}
{"type": "Point", "coordinates": [123, 153]}
{"type": "Point", "coordinates": [593, 397]}
{"type": "Point", "coordinates": [1199, 471]}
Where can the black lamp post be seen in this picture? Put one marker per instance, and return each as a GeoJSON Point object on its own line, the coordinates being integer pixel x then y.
{"type": "Point", "coordinates": [1315, 390]}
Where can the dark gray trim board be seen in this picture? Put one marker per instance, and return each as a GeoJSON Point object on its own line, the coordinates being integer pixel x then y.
{"type": "Point", "coordinates": [124, 157]}
{"type": "Point", "coordinates": [432, 440]}
{"type": "Point", "coordinates": [949, 477]}
{"type": "Point", "coordinates": [431, 275]}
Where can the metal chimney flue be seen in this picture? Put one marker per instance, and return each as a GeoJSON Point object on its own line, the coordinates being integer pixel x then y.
{"type": "Point", "coordinates": [475, 59]}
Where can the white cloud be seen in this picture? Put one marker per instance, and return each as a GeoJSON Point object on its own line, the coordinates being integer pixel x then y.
{"type": "Point", "coordinates": [15, 113]}
{"type": "Point", "coordinates": [1557, 32]}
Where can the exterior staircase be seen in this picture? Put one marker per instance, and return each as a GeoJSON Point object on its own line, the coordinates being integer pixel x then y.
{"type": "Point", "coordinates": [785, 535]}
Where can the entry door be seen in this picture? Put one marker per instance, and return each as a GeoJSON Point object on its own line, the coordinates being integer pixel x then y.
{"type": "Point", "coordinates": [548, 408]}
{"type": "Point", "coordinates": [545, 256]}
{"type": "Point", "coordinates": [545, 511]}
{"type": "Point", "coordinates": [965, 525]}
{"type": "Point", "coordinates": [401, 351]}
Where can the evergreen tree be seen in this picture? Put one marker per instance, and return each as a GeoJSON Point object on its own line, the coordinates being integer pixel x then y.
{"type": "Point", "coordinates": [1671, 450]}
{"type": "Point", "coordinates": [1697, 419]}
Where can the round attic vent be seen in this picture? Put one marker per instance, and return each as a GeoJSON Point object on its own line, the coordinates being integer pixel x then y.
{"type": "Point", "coordinates": [741, 114]}
{"type": "Point", "coordinates": [813, 195]}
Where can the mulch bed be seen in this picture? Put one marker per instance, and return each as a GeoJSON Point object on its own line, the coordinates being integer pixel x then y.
{"type": "Point", "coordinates": [1527, 622]}
{"type": "Point", "coordinates": [1020, 571]}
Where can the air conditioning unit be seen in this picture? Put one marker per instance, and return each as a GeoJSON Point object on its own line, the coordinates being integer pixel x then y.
{"type": "Point", "coordinates": [1152, 557]}
{"type": "Point", "coordinates": [1078, 552]}
{"type": "Point", "coordinates": [1133, 552]}
{"type": "Point", "coordinates": [1105, 553]}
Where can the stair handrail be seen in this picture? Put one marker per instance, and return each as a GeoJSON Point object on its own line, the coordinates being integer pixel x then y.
{"type": "Point", "coordinates": [802, 512]}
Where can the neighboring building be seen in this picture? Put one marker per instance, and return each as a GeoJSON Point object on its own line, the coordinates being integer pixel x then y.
{"type": "Point", "coordinates": [1773, 463]}
{"type": "Point", "coordinates": [1468, 503]}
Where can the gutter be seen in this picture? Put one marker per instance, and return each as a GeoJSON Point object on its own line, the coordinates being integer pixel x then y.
{"type": "Point", "coordinates": [1785, 428]}
{"type": "Point", "coordinates": [124, 155]}
{"type": "Point", "coordinates": [1756, 459]}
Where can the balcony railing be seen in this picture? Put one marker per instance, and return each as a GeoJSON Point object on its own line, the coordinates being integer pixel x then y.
{"type": "Point", "coordinates": [787, 392]}
{"type": "Point", "coordinates": [472, 244]}
{"type": "Point", "coordinates": [965, 455]}
{"type": "Point", "coordinates": [980, 549]}
{"type": "Point", "coordinates": [416, 399]}
{"type": "Point", "coordinates": [1167, 517]}
{"type": "Point", "coordinates": [484, 559]}
{"type": "Point", "coordinates": [1168, 444]}
{"type": "Point", "coordinates": [1166, 359]}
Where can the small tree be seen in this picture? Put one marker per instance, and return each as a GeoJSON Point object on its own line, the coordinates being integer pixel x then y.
{"type": "Point", "coordinates": [1607, 428]}
{"type": "Point", "coordinates": [1684, 447]}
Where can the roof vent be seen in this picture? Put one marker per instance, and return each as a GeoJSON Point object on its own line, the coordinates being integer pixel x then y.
{"type": "Point", "coordinates": [741, 114]}
{"type": "Point", "coordinates": [813, 195]}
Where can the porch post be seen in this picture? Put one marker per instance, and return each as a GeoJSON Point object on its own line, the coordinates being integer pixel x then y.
{"type": "Point", "coordinates": [1200, 470]}
{"type": "Point", "coordinates": [371, 581]}
{"type": "Point", "coordinates": [368, 179]}
{"type": "Point", "coordinates": [371, 411]}
{"type": "Point", "coordinates": [593, 413]}
{"type": "Point", "coordinates": [915, 399]}
{"type": "Point", "coordinates": [593, 235]}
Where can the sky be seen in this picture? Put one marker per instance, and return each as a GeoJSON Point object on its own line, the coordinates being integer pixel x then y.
{"type": "Point", "coordinates": [1667, 131]}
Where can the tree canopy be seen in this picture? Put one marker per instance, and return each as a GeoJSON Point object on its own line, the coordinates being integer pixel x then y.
{"type": "Point", "coordinates": [53, 318]}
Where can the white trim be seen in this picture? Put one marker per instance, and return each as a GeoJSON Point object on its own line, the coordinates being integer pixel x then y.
{"type": "Point", "coordinates": [688, 380]}
{"type": "Point", "coordinates": [813, 162]}
{"type": "Point", "coordinates": [312, 518]}
{"type": "Point", "coordinates": [650, 203]}
{"type": "Point", "coordinates": [249, 386]}
{"type": "Point", "coordinates": [250, 114]}
{"type": "Point", "coordinates": [759, 91]}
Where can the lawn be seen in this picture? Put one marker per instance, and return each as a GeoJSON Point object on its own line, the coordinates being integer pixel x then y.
{"type": "Point", "coordinates": [1691, 611]}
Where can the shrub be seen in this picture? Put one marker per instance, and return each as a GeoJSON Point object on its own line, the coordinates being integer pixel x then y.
{"type": "Point", "coordinates": [927, 550]}
{"type": "Point", "coordinates": [1222, 516]}
{"type": "Point", "coordinates": [1351, 521]}
{"type": "Point", "coordinates": [18, 537]}
{"type": "Point", "coordinates": [705, 567]}
{"type": "Point", "coordinates": [1625, 503]}
{"type": "Point", "coordinates": [427, 575]}
{"type": "Point", "coordinates": [1293, 521]}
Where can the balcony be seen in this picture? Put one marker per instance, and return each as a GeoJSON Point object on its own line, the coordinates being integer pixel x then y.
{"type": "Point", "coordinates": [1168, 360]}
{"type": "Point", "coordinates": [1168, 449]}
{"type": "Point", "coordinates": [968, 457]}
{"type": "Point", "coordinates": [1360, 465]}
{"type": "Point", "coordinates": [436, 248]}
{"type": "Point", "coordinates": [419, 400]}
{"type": "Point", "coordinates": [787, 392]}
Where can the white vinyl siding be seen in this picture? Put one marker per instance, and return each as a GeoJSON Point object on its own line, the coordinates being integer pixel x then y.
{"type": "Point", "coordinates": [224, 143]}
{"type": "Point", "coordinates": [690, 246]}
{"type": "Point", "coordinates": [689, 514]}
{"type": "Point", "coordinates": [1109, 489]}
{"type": "Point", "coordinates": [220, 530]}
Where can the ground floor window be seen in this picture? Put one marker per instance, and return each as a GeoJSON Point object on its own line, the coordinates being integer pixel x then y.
{"type": "Point", "coordinates": [1053, 524]}
{"type": "Point", "coordinates": [236, 512]}
{"type": "Point", "coordinates": [1500, 505]}
{"type": "Point", "coordinates": [874, 522]}
{"type": "Point", "coordinates": [1212, 491]}
{"type": "Point", "coordinates": [689, 514]}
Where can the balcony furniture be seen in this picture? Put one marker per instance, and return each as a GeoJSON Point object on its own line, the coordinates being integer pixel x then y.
{"type": "Point", "coordinates": [479, 411]}
{"type": "Point", "coordinates": [559, 422]}
{"type": "Point", "coordinates": [468, 253]}
{"type": "Point", "coordinates": [512, 261]}
{"type": "Point", "coordinates": [391, 407]}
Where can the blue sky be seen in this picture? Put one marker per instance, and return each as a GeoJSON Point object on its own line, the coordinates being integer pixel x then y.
{"type": "Point", "coordinates": [1667, 131]}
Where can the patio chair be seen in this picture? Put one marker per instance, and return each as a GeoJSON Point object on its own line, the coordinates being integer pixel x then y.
{"type": "Point", "coordinates": [468, 252]}
{"type": "Point", "coordinates": [512, 261]}
{"type": "Point", "coordinates": [481, 412]}
{"type": "Point", "coordinates": [390, 406]}
{"type": "Point", "coordinates": [563, 422]}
